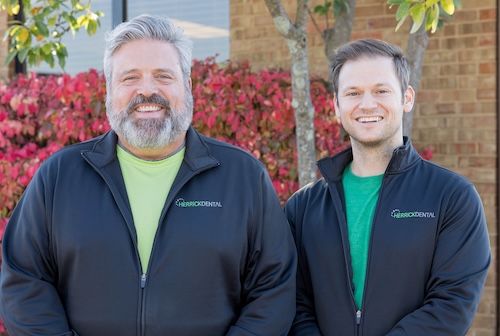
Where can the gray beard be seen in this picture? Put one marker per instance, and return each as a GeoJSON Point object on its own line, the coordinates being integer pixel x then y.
{"type": "Point", "coordinates": [151, 133]}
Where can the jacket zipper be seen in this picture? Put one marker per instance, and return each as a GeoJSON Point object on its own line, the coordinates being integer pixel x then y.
{"type": "Point", "coordinates": [358, 320]}
{"type": "Point", "coordinates": [142, 318]}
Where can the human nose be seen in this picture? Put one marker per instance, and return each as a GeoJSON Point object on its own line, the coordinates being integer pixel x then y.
{"type": "Point", "coordinates": [147, 87]}
{"type": "Point", "coordinates": [367, 101]}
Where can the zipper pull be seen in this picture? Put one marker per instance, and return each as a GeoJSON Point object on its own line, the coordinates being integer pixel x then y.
{"type": "Point", "coordinates": [143, 280]}
{"type": "Point", "coordinates": [358, 317]}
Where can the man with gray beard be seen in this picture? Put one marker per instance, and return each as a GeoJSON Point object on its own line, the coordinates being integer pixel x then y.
{"type": "Point", "coordinates": [152, 228]}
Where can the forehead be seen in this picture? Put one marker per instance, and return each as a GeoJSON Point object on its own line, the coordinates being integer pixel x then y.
{"type": "Point", "coordinates": [145, 54]}
{"type": "Point", "coordinates": [368, 70]}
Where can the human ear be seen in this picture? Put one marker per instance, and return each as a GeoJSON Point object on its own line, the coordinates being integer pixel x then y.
{"type": "Point", "coordinates": [409, 99]}
{"type": "Point", "coordinates": [335, 105]}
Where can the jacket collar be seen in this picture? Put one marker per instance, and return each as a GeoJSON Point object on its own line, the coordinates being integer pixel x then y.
{"type": "Point", "coordinates": [197, 155]}
{"type": "Point", "coordinates": [403, 157]}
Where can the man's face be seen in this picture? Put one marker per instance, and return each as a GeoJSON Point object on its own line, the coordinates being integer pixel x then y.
{"type": "Point", "coordinates": [149, 104]}
{"type": "Point", "coordinates": [369, 102]}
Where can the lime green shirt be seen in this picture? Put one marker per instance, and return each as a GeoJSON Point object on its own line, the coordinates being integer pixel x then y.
{"type": "Point", "coordinates": [148, 184]}
{"type": "Point", "coordinates": [361, 196]}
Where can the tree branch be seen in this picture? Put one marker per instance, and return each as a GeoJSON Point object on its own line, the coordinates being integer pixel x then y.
{"type": "Point", "coordinates": [302, 9]}
{"type": "Point", "coordinates": [315, 24]}
{"type": "Point", "coordinates": [280, 17]}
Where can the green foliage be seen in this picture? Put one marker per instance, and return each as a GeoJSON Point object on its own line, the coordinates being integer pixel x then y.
{"type": "Point", "coordinates": [428, 12]}
{"type": "Point", "coordinates": [39, 38]}
{"type": "Point", "coordinates": [325, 8]}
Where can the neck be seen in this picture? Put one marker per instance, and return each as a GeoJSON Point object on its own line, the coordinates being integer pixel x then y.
{"type": "Point", "coordinates": [371, 161]}
{"type": "Point", "coordinates": [153, 154]}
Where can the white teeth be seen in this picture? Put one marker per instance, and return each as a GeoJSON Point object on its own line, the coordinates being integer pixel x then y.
{"type": "Point", "coordinates": [369, 119]}
{"type": "Point", "coordinates": [148, 108]}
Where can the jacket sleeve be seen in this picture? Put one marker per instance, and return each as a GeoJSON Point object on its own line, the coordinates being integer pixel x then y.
{"type": "Point", "coordinates": [268, 283]}
{"type": "Point", "coordinates": [305, 323]}
{"type": "Point", "coordinates": [29, 301]}
{"type": "Point", "coordinates": [461, 261]}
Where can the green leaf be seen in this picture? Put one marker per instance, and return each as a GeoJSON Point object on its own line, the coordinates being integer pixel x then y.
{"type": "Point", "coordinates": [49, 59]}
{"type": "Point", "coordinates": [12, 6]}
{"type": "Point", "coordinates": [402, 20]}
{"type": "Point", "coordinates": [13, 30]}
{"type": "Point", "coordinates": [42, 28]}
{"type": "Point", "coordinates": [61, 59]}
{"type": "Point", "coordinates": [448, 6]}
{"type": "Point", "coordinates": [430, 3]}
{"type": "Point", "coordinates": [403, 10]}
{"type": "Point", "coordinates": [398, 2]}
{"type": "Point", "coordinates": [32, 59]}
{"type": "Point", "coordinates": [22, 54]}
{"type": "Point", "coordinates": [82, 21]}
{"type": "Point", "coordinates": [73, 23]}
{"type": "Point", "coordinates": [12, 54]}
{"type": "Point", "coordinates": [417, 13]}
{"type": "Point", "coordinates": [318, 10]}
{"type": "Point", "coordinates": [22, 36]}
{"type": "Point", "coordinates": [46, 48]}
{"type": "Point", "coordinates": [52, 21]}
{"type": "Point", "coordinates": [47, 12]}
{"type": "Point", "coordinates": [61, 49]}
{"type": "Point", "coordinates": [323, 10]}
{"type": "Point", "coordinates": [91, 27]}
{"type": "Point", "coordinates": [432, 18]}
{"type": "Point", "coordinates": [338, 5]}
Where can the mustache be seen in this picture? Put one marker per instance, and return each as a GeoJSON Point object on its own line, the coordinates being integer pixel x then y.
{"type": "Point", "coordinates": [153, 99]}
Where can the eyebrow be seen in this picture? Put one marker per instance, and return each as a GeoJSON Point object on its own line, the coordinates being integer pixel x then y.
{"type": "Point", "coordinates": [126, 72]}
{"type": "Point", "coordinates": [352, 87]}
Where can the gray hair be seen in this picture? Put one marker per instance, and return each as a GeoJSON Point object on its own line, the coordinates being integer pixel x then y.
{"type": "Point", "coordinates": [369, 48]}
{"type": "Point", "coordinates": [148, 27]}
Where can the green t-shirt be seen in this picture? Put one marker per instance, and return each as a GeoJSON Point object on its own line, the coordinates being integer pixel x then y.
{"type": "Point", "coordinates": [148, 184]}
{"type": "Point", "coordinates": [361, 196]}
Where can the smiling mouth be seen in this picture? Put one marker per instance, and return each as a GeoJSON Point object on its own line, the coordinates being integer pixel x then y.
{"type": "Point", "coordinates": [148, 108]}
{"type": "Point", "coordinates": [368, 119]}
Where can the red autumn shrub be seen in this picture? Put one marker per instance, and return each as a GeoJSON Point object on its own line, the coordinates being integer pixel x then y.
{"type": "Point", "coordinates": [38, 116]}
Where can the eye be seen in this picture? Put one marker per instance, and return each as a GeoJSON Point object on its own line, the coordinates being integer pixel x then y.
{"type": "Point", "coordinates": [129, 78]}
{"type": "Point", "coordinates": [164, 76]}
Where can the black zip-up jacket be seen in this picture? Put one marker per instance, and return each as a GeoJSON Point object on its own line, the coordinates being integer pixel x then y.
{"type": "Point", "coordinates": [223, 260]}
{"type": "Point", "coordinates": [428, 257]}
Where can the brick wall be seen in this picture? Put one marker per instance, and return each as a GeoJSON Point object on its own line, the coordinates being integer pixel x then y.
{"type": "Point", "coordinates": [456, 114]}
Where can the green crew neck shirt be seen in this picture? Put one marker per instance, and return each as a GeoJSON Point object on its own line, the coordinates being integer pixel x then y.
{"type": "Point", "coordinates": [148, 184]}
{"type": "Point", "coordinates": [361, 196]}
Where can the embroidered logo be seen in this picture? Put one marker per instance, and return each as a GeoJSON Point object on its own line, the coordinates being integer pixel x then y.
{"type": "Point", "coordinates": [411, 214]}
{"type": "Point", "coordinates": [181, 203]}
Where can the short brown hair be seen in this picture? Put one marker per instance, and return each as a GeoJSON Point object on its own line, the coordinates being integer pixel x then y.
{"type": "Point", "coordinates": [369, 48]}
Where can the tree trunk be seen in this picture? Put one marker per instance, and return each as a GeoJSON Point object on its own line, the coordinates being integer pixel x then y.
{"type": "Point", "coordinates": [295, 35]}
{"type": "Point", "coordinates": [340, 33]}
{"type": "Point", "coordinates": [417, 44]}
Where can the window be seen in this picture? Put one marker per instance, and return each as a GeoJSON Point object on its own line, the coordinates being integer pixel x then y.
{"type": "Point", "coordinates": [206, 22]}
